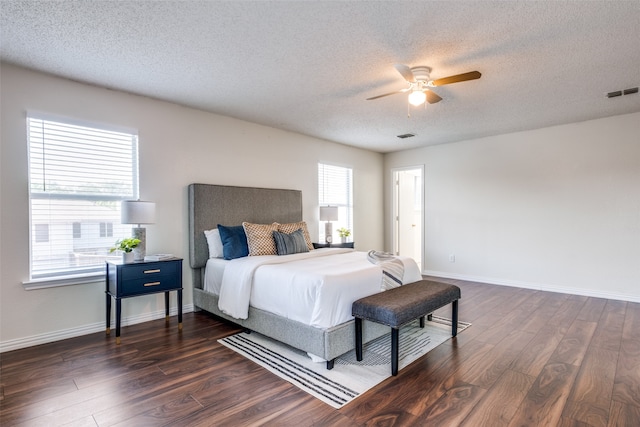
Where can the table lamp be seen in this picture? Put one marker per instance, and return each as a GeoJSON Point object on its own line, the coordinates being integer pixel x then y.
{"type": "Point", "coordinates": [328, 214]}
{"type": "Point", "coordinates": [138, 212]}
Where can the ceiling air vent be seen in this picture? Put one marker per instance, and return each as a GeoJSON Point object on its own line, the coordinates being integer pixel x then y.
{"type": "Point", "coordinates": [622, 92]}
{"type": "Point", "coordinates": [406, 135]}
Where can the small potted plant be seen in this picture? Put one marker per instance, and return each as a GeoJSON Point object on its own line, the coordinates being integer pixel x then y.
{"type": "Point", "coordinates": [344, 233]}
{"type": "Point", "coordinates": [126, 246]}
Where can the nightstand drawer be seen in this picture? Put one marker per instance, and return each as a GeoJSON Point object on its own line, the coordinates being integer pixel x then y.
{"type": "Point", "coordinates": [153, 283]}
{"type": "Point", "coordinates": [149, 270]}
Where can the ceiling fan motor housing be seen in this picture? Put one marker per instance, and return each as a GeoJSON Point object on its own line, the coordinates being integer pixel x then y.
{"type": "Point", "coordinates": [421, 74]}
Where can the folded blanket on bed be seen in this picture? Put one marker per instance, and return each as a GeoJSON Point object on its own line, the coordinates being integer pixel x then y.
{"type": "Point", "coordinates": [392, 268]}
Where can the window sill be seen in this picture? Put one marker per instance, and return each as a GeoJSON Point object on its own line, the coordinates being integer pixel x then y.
{"type": "Point", "coordinates": [54, 282]}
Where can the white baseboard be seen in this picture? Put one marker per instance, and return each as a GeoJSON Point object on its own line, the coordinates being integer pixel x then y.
{"type": "Point", "coordinates": [536, 286]}
{"type": "Point", "coordinates": [86, 329]}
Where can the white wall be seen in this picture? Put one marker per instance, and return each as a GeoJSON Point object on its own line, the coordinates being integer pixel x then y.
{"type": "Point", "coordinates": [554, 209]}
{"type": "Point", "coordinates": [178, 146]}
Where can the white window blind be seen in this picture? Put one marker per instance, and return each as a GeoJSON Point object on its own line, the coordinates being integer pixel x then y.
{"type": "Point", "coordinates": [77, 177]}
{"type": "Point", "coordinates": [335, 188]}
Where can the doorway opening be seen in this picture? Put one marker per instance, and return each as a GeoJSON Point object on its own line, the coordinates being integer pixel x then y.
{"type": "Point", "coordinates": [408, 207]}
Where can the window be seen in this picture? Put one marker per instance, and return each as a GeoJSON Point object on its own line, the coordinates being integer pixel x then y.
{"type": "Point", "coordinates": [77, 230]}
{"type": "Point", "coordinates": [106, 229]}
{"type": "Point", "coordinates": [77, 177]}
{"type": "Point", "coordinates": [335, 188]}
{"type": "Point", "coordinates": [41, 233]}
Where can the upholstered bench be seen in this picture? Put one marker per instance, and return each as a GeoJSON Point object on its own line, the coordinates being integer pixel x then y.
{"type": "Point", "coordinates": [399, 306]}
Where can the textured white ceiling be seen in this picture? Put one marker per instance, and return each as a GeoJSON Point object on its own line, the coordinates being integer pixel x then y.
{"type": "Point", "coordinates": [308, 66]}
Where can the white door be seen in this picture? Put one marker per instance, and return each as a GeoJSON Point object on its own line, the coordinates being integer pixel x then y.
{"type": "Point", "coordinates": [407, 209]}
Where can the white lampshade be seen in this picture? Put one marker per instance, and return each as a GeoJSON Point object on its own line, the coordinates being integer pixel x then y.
{"type": "Point", "coordinates": [137, 212]}
{"type": "Point", "coordinates": [328, 213]}
{"type": "Point", "coordinates": [417, 97]}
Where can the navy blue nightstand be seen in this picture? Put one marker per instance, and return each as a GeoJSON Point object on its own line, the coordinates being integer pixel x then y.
{"type": "Point", "coordinates": [142, 278]}
{"type": "Point", "coordinates": [333, 245]}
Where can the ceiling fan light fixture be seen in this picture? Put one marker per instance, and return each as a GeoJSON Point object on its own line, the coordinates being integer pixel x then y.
{"type": "Point", "coordinates": [417, 97]}
{"type": "Point", "coordinates": [419, 81]}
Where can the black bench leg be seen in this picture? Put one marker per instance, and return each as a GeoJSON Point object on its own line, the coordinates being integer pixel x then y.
{"type": "Point", "coordinates": [395, 332]}
{"type": "Point", "coordinates": [430, 317]}
{"type": "Point", "coordinates": [330, 364]}
{"type": "Point", "coordinates": [422, 322]}
{"type": "Point", "coordinates": [454, 318]}
{"type": "Point", "coordinates": [358, 339]}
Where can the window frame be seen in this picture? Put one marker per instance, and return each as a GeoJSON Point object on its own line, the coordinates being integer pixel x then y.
{"type": "Point", "coordinates": [345, 207]}
{"type": "Point", "coordinates": [58, 275]}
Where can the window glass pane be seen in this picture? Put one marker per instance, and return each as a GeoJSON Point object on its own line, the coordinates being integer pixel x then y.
{"type": "Point", "coordinates": [69, 159]}
{"type": "Point", "coordinates": [78, 176]}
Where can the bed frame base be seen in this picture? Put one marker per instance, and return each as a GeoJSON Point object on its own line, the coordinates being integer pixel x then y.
{"type": "Point", "coordinates": [326, 343]}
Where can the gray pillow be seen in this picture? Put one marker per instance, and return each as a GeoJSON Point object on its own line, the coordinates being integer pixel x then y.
{"type": "Point", "coordinates": [287, 244]}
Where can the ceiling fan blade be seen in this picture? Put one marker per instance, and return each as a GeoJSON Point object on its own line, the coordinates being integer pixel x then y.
{"type": "Point", "coordinates": [432, 97]}
{"type": "Point", "coordinates": [406, 72]}
{"type": "Point", "coordinates": [472, 75]}
{"type": "Point", "coordinates": [387, 94]}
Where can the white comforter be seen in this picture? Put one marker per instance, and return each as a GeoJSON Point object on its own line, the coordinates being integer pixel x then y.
{"type": "Point", "coordinates": [316, 288]}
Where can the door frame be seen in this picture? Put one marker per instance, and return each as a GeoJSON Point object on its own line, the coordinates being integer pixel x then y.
{"type": "Point", "coordinates": [393, 222]}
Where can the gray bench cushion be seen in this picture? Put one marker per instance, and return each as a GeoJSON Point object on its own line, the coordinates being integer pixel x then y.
{"type": "Point", "coordinates": [401, 305]}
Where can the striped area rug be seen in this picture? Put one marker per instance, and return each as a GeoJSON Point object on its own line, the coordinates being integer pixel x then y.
{"type": "Point", "coordinates": [349, 378]}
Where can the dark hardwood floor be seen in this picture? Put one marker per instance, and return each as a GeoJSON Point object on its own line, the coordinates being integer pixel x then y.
{"type": "Point", "coordinates": [530, 359]}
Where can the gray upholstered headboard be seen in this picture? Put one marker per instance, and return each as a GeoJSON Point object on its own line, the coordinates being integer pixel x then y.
{"type": "Point", "coordinates": [210, 205]}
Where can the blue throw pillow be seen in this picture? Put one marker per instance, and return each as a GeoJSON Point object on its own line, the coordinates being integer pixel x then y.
{"type": "Point", "coordinates": [287, 244]}
{"type": "Point", "coordinates": [234, 242]}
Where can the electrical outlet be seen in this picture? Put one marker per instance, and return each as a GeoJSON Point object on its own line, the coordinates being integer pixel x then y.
{"type": "Point", "coordinates": [452, 258]}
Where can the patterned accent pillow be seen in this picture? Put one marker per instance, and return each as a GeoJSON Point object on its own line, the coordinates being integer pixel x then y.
{"type": "Point", "coordinates": [290, 243]}
{"type": "Point", "coordinates": [260, 238]}
{"type": "Point", "coordinates": [293, 226]}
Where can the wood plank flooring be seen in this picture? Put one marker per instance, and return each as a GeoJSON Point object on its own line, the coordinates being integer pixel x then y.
{"type": "Point", "coordinates": [530, 358]}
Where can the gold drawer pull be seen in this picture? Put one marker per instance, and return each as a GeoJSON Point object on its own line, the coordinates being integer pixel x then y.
{"type": "Point", "coordinates": [152, 271]}
{"type": "Point", "coordinates": [152, 284]}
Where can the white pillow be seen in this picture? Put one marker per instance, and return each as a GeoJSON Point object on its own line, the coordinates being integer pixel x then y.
{"type": "Point", "coordinates": [215, 243]}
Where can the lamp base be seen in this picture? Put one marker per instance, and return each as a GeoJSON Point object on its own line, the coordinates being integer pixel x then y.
{"type": "Point", "coordinates": [328, 232]}
{"type": "Point", "coordinates": [140, 251]}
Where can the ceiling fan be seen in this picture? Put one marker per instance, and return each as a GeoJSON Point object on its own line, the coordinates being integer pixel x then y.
{"type": "Point", "coordinates": [419, 81]}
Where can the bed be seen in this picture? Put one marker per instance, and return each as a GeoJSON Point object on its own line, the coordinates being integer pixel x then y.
{"type": "Point", "coordinates": [210, 205]}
